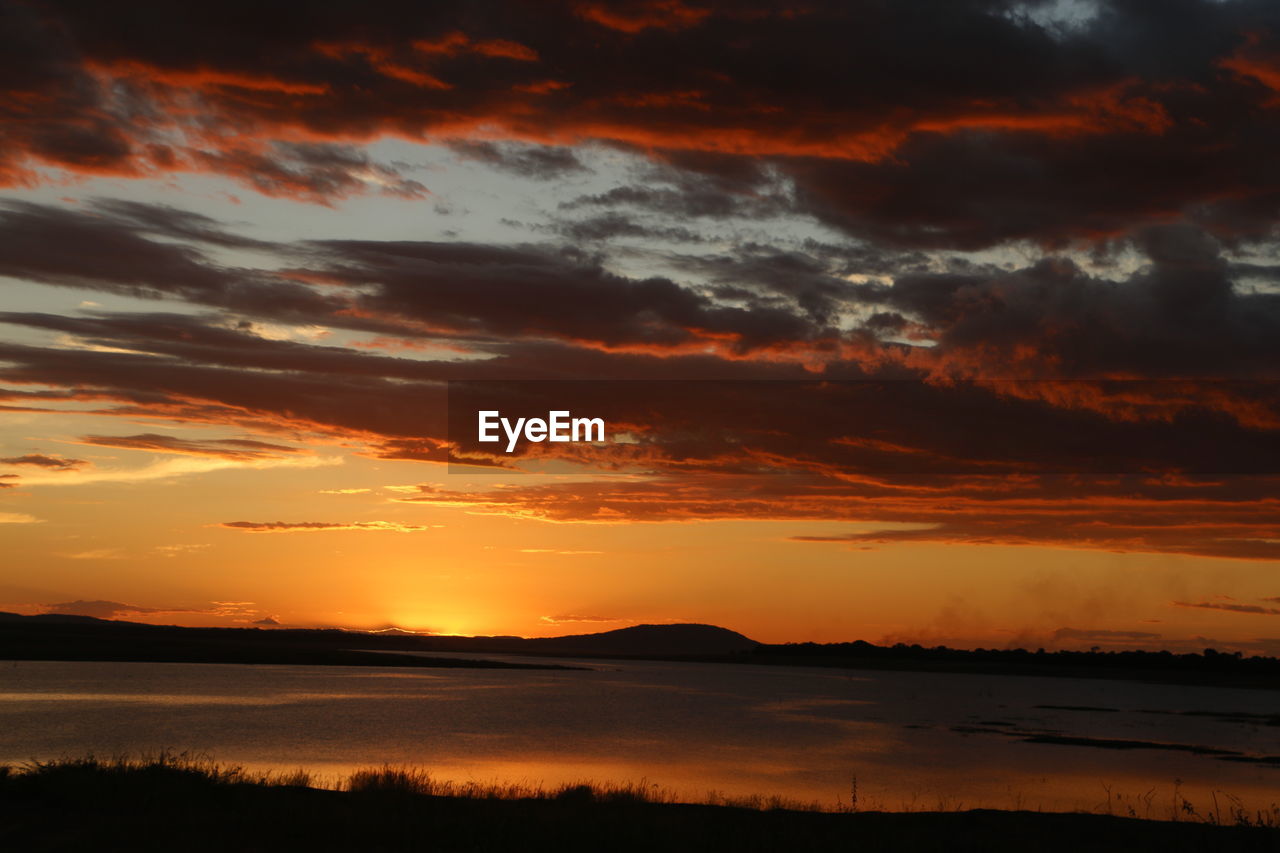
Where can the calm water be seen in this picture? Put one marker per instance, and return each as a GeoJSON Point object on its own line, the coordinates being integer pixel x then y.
{"type": "Point", "coordinates": [913, 740]}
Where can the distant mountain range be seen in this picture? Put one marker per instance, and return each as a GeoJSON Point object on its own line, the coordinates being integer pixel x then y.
{"type": "Point", "coordinates": [86, 638]}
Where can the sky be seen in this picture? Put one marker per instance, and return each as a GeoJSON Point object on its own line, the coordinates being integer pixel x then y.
{"type": "Point", "coordinates": [940, 321]}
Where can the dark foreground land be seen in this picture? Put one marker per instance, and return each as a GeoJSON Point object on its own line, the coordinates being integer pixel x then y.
{"type": "Point", "coordinates": [86, 805]}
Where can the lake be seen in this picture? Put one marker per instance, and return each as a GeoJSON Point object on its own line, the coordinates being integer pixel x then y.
{"type": "Point", "coordinates": [913, 741]}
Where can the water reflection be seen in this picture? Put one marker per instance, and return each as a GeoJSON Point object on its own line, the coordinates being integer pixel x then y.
{"type": "Point", "coordinates": [911, 740]}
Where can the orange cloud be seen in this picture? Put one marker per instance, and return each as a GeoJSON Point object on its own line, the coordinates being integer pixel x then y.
{"type": "Point", "coordinates": [41, 460]}
{"type": "Point", "coordinates": [311, 526]}
{"type": "Point", "coordinates": [1252, 61]}
{"type": "Point", "coordinates": [1120, 514]}
{"type": "Point", "coordinates": [634, 17]}
{"type": "Point", "coordinates": [226, 448]}
{"type": "Point", "coordinates": [859, 98]}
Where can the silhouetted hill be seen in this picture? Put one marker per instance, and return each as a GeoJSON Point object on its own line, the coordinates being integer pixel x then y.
{"type": "Point", "coordinates": [70, 618]}
{"type": "Point", "coordinates": [663, 640]}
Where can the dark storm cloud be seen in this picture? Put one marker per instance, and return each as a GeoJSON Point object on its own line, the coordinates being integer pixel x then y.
{"type": "Point", "coordinates": [1179, 315]}
{"type": "Point", "coordinates": [976, 188]}
{"type": "Point", "coordinates": [452, 288]}
{"type": "Point", "coordinates": [108, 255]}
{"type": "Point", "coordinates": [116, 250]}
{"type": "Point", "coordinates": [539, 162]}
{"type": "Point", "coordinates": [166, 221]}
{"type": "Point", "coordinates": [532, 291]}
{"type": "Point", "coordinates": [957, 123]}
{"type": "Point", "coordinates": [675, 194]}
{"type": "Point", "coordinates": [309, 171]}
{"type": "Point", "coordinates": [297, 404]}
{"type": "Point", "coordinates": [197, 372]}
{"type": "Point", "coordinates": [614, 225]}
{"type": "Point", "coordinates": [878, 428]}
{"type": "Point", "coordinates": [206, 340]}
{"type": "Point", "coordinates": [815, 286]}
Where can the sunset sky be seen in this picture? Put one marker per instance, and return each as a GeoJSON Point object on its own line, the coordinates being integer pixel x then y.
{"type": "Point", "coordinates": [942, 321]}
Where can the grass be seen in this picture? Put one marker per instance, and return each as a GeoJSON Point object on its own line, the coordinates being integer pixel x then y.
{"type": "Point", "coordinates": [195, 770]}
{"type": "Point", "coordinates": [182, 769]}
{"type": "Point", "coordinates": [416, 781]}
{"type": "Point", "coordinates": [174, 801]}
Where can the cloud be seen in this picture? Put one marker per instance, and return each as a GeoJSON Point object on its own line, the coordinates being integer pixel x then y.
{"type": "Point", "coordinates": [537, 162]}
{"type": "Point", "coordinates": [558, 552]}
{"type": "Point", "coordinates": [238, 611]}
{"type": "Point", "coordinates": [95, 554]}
{"type": "Point", "coordinates": [18, 518]}
{"type": "Point", "coordinates": [720, 455]}
{"type": "Point", "coordinates": [1231, 607]}
{"type": "Point", "coordinates": [224, 448]}
{"type": "Point", "coordinates": [41, 460]}
{"type": "Point", "coordinates": [746, 192]}
{"type": "Point", "coordinates": [106, 609]}
{"type": "Point", "coordinates": [558, 620]}
{"type": "Point", "coordinates": [1197, 319]}
{"type": "Point", "coordinates": [1187, 313]}
{"type": "Point", "coordinates": [1039, 306]}
{"type": "Point", "coordinates": [540, 292]}
{"type": "Point", "coordinates": [613, 225]}
{"type": "Point", "coordinates": [317, 172]}
{"type": "Point", "coordinates": [1122, 514]}
{"type": "Point", "coordinates": [165, 469]}
{"type": "Point", "coordinates": [1103, 635]}
{"type": "Point", "coordinates": [309, 526]}
{"type": "Point", "coordinates": [1031, 374]}
{"type": "Point", "coordinates": [118, 252]}
{"type": "Point", "coordinates": [180, 549]}
{"type": "Point", "coordinates": [635, 16]}
{"type": "Point", "coordinates": [410, 288]}
{"type": "Point", "coordinates": [884, 123]}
